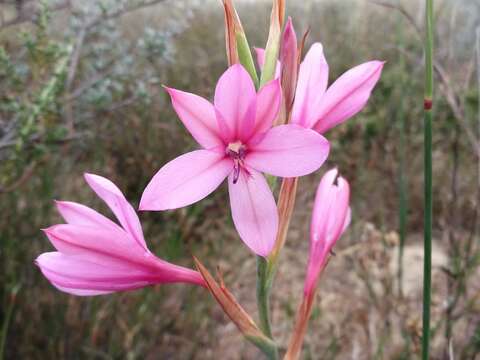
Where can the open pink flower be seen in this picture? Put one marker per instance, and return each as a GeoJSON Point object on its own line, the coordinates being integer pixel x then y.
{"type": "Point", "coordinates": [319, 108]}
{"type": "Point", "coordinates": [331, 216]}
{"type": "Point", "coordinates": [238, 142]}
{"type": "Point", "coordinates": [96, 256]}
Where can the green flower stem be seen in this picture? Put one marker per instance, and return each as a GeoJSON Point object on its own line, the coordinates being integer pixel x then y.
{"type": "Point", "coordinates": [8, 317]}
{"type": "Point", "coordinates": [264, 285]}
{"type": "Point", "coordinates": [428, 100]}
{"type": "Point", "coordinates": [402, 178]}
{"type": "Point", "coordinates": [268, 347]}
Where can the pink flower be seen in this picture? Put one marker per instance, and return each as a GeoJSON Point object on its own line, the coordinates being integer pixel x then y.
{"type": "Point", "coordinates": [96, 256]}
{"type": "Point", "coordinates": [331, 216]}
{"type": "Point", "coordinates": [238, 142]}
{"type": "Point", "coordinates": [319, 108]}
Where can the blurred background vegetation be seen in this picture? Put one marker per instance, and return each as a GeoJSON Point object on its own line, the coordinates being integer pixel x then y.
{"type": "Point", "coordinates": [80, 90]}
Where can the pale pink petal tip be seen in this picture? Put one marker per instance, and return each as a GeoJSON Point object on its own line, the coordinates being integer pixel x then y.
{"type": "Point", "coordinates": [198, 116]}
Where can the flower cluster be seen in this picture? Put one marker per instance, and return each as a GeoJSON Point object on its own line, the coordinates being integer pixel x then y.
{"type": "Point", "coordinates": [247, 130]}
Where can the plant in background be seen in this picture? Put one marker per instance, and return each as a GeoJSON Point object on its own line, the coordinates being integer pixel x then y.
{"type": "Point", "coordinates": [72, 81]}
{"type": "Point", "coordinates": [249, 129]}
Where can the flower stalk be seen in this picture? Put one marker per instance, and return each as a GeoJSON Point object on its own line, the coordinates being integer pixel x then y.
{"type": "Point", "coordinates": [428, 116]}
{"type": "Point", "coordinates": [237, 314]}
{"type": "Point", "coordinates": [264, 285]}
{"type": "Point", "coordinates": [402, 170]}
{"type": "Point", "coordinates": [300, 329]}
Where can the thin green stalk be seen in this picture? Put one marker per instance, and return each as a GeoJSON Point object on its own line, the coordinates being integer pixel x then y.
{"type": "Point", "coordinates": [8, 317]}
{"type": "Point", "coordinates": [264, 284]}
{"type": "Point", "coordinates": [269, 349]}
{"type": "Point", "coordinates": [428, 101]}
{"type": "Point", "coordinates": [402, 181]}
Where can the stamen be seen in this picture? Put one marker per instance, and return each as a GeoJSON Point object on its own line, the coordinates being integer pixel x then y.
{"type": "Point", "coordinates": [237, 152]}
{"type": "Point", "coordinates": [236, 171]}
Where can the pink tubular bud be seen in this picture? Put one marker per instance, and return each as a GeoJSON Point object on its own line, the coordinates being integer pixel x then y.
{"type": "Point", "coordinates": [331, 216]}
{"type": "Point", "coordinates": [289, 61]}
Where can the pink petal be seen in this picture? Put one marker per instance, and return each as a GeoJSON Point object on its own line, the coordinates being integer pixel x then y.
{"type": "Point", "coordinates": [330, 218]}
{"type": "Point", "coordinates": [254, 211]}
{"type": "Point", "coordinates": [288, 151]}
{"type": "Point", "coordinates": [235, 99]}
{"type": "Point", "coordinates": [186, 180]}
{"type": "Point", "coordinates": [85, 276]}
{"type": "Point", "coordinates": [82, 277]}
{"type": "Point", "coordinates": [269, 99]}
{"type": "Point", "coordinates": [198, 116]}
{"type": "Point", "coordinates": [260, 54]}
{"type": "Point", "coordinates": [81, 292]}
{"type": "Point", "coordinates": [99, 245]}
{"type": "Point", "coordinates": [289, 58]}
{"type": "Point", "coordinates": [331, 212]}
{"type": "Point", "coordinates": [337, 219]}
{"type": "Point", "coordinates": [348, 220]}
{"type": "Point", "coordinates": [347, 95]}
{"type": "Point", "coordinates": [311, 85]}
{"type": "Point", "coordinates": [78, 214]}
{"type": "Point", "coordinates": [113, 197]}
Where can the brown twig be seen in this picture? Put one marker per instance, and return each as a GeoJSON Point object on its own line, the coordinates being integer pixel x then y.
{"type": "Point", "coordinates": [403, 11]}
{"type": "Point", "coordinates": [27, 173]}
{"type": "Point", "coordinates": [29, 15]}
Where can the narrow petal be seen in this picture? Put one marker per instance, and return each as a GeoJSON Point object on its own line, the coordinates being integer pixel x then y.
{"type": "Point", "coordinates": [85, 277]}
{"type": "Point", "coordinates": [186, 180]}
{"type": "Point", "coordinates": [198, 116]}
{"type": "Point", "coordinates": [311, 85]}
{"type": "Point", "coordinates": [269, 98]}
{"type": "Point", "coordinates": [337, 220]}
{"type": "Point", "coordinates": [98, 245]}
{"type": "Point", "coordinates": [254, 211]}
{"type": "Point", "coordinates": [288, 151]}
{"type": "Point", "coordinates": [82, 277]}
{"type": "Point", "coordinates": [235, 99]}
{"type": "Point", "coordinates": [113, 197]}
{"type": "Point", "coordinates": [78, 214]}
{"type": "Point", "coordinates": [331, 213]}
{"type": "Point", "coordinates": [347, 95]}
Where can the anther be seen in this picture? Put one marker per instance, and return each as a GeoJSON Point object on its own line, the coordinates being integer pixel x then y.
{"type": "Point", "coordinates": [236, 171]}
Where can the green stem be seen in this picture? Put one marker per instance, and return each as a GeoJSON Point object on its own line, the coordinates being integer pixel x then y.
{"type": "Point", "coordinates": [264, 284]}
{"type": "Point", "coordinates": [402, 182]}
{"type": "Point", "coordinates": [427, 268]}
{"type": "Point", "coordinates": [6, 321]}
{"type": "Point", "coordinates": [269, 348]}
